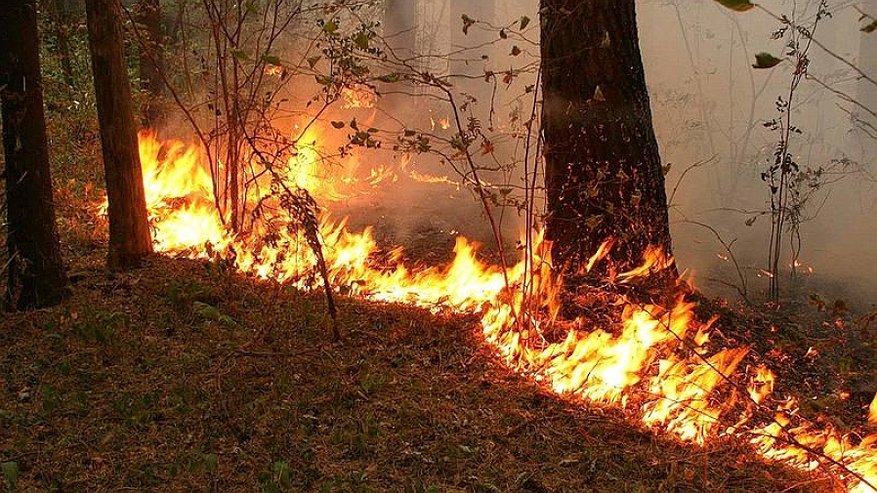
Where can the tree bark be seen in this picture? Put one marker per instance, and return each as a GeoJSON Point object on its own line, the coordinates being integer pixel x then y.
{"type": "Point", "coordinates": [129, 228]}
{"type": "Point", "coordinates": [603, 171]}
{"type": "Point", "coordinates": [36, 271]}
{"type": "Point", "coordinates": [151, 59]}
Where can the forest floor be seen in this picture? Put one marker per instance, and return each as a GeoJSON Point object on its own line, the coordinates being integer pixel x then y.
{"type": "Point", "coordinates": [181, 376]}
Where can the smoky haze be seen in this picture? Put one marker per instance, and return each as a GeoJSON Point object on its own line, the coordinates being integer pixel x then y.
{"type": "Point", "coordinates": [710, 107]}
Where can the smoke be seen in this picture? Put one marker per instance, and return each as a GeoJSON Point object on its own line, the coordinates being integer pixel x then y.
{"type": "Point", "coordinates": [710, 106]}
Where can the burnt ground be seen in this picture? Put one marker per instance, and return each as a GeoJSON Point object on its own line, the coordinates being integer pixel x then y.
{"type": "Point", "coordinates": [182, 376]}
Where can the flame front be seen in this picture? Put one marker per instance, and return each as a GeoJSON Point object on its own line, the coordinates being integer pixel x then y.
{"type": "Point", "coordinates": [652, 361]}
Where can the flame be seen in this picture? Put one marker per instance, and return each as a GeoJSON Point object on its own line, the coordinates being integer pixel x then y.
{"type": "Point", "coordinates": [761, 385]}
{"type": "Point", "coordinates": [653, 361]}
{"type": "Point", "coordinates": [358, 97]}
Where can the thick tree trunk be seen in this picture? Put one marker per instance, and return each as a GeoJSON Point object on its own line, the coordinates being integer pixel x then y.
{"type": "Point", "coordinates": [603, 172]}
{"type": "Point", "coordinates": [36, 271]}
{"type": "Point", "coordinates": [129, 228]}
{"type": "Point", "coordinates": [151, 58]}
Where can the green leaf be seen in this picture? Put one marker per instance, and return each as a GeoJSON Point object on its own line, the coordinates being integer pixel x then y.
{"type": "Point", "coordinates": [390, 78]}
{"type": "Point", "coordinates": [765, 60]}
{"type": "Point", "coordinates": [210, 462]}
{"type": "Point", "coordinates": [738, 5]}
{"type": "Point", "coordinates": [10, 473]}
{"type": "Point", "coordinates": [271, 59]}
{"type": "Point", "coordinates": [362, 41]}
{"type": "Point", "coordinates": [240, 54]}
{"type": "Point", "coordinates": [210, 312]}
{"type": "Point", "coordinates": [330, 27]}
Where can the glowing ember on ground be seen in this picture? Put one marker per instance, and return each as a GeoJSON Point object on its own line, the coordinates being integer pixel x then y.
{"type": "Point", "coordinates": [653, 361]}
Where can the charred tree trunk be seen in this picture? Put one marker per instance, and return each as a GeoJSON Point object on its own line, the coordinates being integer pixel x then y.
{"type": "Point", "coordinates": [151, 58]}
{"type": "Point", "coordinates": [603, 172]}
{"type": "Point", "coordinates": [129, 228]}
{"type": "Point", "coordinates": [36, 271]}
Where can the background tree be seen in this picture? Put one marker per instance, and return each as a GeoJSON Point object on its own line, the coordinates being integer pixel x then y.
{"type": "Point", "coordinates": [151, 58]}
{"type": "Point", "coordinates": [603, 172]}
{"type": "Point", "coordinates": [867, 90]}
{"type": "Point", "coordinates": [400, 27]}
{"type": "Point", "coordinates": [36, 271]}
{"type": "Point", "coordinates": [62, 13]}
{"type": "Point", "coordinates": [129, 227]}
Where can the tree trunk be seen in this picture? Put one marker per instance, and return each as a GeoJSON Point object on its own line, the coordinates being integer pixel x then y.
{"type": "Point", "coordinates": [400, 27]}
{"type": "Point", "coordinates": [36, 271]}
{"type": "Point", "coordinates": [151, 58]}
{"type": "Point", "coordinates": [867, 90]}
{"type": "Point", "coordinates": [129, 228]}
{"type": "Point", "coordinates": [60, 29]}
{"type": "Point", "coordinates": [603, 172]}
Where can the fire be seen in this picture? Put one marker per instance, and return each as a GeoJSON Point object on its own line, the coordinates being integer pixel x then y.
{"type": "Point", "coordinates": [358, 97]}
{"type": "Point", "coordinates": [655, 362]}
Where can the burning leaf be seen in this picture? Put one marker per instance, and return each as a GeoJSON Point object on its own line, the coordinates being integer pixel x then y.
{"type": "Point", "coordinates": [338, 124]}
{"type": "Point", "coordinates": [871, 27]}
{"type": "Point", "coordinates": [872, 411]}
{"type": "Point", "coordinates": [515, 51]}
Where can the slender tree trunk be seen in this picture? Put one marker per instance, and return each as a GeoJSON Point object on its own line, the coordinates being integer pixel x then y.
{"type": "Point", "coordinates": [60, 29]}
{"type": "Point", "coordinates": [603, 172]}
{"type": "Point", "coordinates": [36, 271]}
{"type": "Point", "coordinates": [867, 90]}
{"type": "Point", "coordinates": [400, 27]}
{"type": "Point", "coordinates": [129, 228]}
{"type": "Point", "coordinates": [151, 58]}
